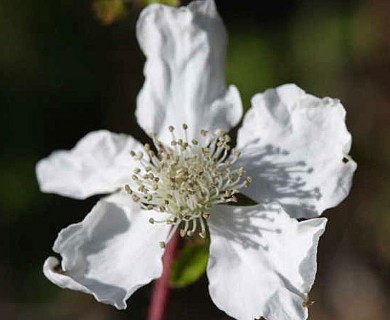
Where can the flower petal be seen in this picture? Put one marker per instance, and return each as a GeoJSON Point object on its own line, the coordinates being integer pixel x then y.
{"type": "Point", "coordinates": [185, 70]}
{"type": "Point", "coordinates": [295, 147]}
{"type": "Point", "coordinates": [111, 253]}
{"type": "Point", "coordinates": [99, 163]}
{"type": "Point", "coordinates": [268, 258]}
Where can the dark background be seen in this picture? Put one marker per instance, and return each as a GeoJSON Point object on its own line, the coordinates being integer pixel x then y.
{"type": "Point", "coordinates": [69, 66]}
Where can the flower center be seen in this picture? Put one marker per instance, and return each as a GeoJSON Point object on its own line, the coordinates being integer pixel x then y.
{"type": "Point", "coordinates": [184, 180]}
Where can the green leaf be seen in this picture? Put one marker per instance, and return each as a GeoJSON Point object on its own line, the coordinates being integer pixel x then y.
{"type": "Point", "coordinates": [190, 265]}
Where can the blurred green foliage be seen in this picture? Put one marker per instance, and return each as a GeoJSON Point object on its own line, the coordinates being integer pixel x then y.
{"type": "Point", "coordinates": [18, 189]}
{"type": "Point", "coordinates": [167, 2]}
{"type": "Point", "coordinates": [64, 73]}
{"type": "Point", "coordinates": [110, 11]}
{"type": "Point", "coordinates": [250, 63]}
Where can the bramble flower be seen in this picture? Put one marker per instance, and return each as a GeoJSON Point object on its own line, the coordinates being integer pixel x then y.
{"type": "Point", "coordinates": [291, 158]}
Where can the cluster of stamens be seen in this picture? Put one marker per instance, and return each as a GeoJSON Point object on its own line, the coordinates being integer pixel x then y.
{"type": "Point", "coordinates": [185, 179]}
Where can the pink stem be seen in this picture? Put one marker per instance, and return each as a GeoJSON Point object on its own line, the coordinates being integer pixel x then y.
{"type": "Point", "coordinates": [160, 294]}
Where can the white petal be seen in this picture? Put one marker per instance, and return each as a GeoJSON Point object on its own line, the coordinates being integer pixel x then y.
{"type": "Point", "coordinates": [99, 163]}
{"type": "Point", "coordinates": [294, 146]}
{"type": "Point", "coordinates": [262, 262]}
{"type": "Point", "coordinates": [111, 253]}
{"type": "Point", "coordinates": [185, 70]}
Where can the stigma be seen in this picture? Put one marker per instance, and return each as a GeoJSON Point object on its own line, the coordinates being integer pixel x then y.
{"type": "Point", "coordinates": [185, 179]}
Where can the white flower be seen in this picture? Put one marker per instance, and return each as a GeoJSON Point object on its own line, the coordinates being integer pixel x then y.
{"type": "Point", "coordinates": [294, 146]}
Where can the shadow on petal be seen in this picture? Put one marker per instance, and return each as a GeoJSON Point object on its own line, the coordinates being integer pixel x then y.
{"type": "Point", "coordinates": [282, 180]}
{"type": "Point", "coordinates": [246, 225]}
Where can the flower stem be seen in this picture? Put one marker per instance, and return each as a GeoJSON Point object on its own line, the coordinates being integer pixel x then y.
{"type": "Point", "coordinates": [160, 294]}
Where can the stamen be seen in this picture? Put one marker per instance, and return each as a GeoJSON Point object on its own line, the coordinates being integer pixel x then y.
{"type": "Point", "coordinates": [184, 180]}
{"type": "Point", "coordinates": [185, 127]}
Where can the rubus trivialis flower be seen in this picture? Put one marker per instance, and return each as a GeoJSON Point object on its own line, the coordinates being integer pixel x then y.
{"type": "Point", "coordinates": [291, 157]}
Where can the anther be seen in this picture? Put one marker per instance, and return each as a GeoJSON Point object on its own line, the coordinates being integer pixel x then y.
{"type": "Point", "coordinates": [218, 132]}
{"type": "Point", "coordinates": [128, 189]}
{"type": "Point", "coordinates": [151, 154]}
{"type": "Point", "coordinates": [142, 189]}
